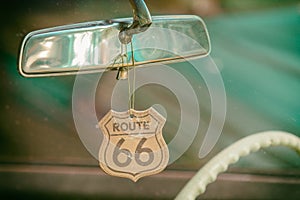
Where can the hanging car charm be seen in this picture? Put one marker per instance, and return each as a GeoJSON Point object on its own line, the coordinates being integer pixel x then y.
{"type": "Point", "coordinates": [133, 145]}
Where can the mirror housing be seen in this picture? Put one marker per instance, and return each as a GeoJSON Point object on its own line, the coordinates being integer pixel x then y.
{"type": "Point", "coordinates": [95, 46]}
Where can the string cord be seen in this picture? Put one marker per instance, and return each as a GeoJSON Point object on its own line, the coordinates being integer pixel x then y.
{"type": "Point", "coordinates": [122, 58]}
{"type": "Point", "coordinates": [134, 77]}
{"type": "Point", "coordinates": [131, 83]}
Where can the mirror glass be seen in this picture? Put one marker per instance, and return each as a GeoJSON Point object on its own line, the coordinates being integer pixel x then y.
{"type": "Point", "coordinates": [95, 46]}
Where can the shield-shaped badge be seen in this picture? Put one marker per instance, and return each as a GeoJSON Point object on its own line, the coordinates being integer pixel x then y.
{"type": "Point", "coordinates": [133, 145]}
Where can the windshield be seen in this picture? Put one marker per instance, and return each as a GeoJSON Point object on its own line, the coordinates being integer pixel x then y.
{"type": "Point", "coordinates": [254, 45]}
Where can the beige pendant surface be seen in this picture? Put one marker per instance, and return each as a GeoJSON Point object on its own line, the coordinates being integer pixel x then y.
{"type": "Point", "coordinates": [133, 145]}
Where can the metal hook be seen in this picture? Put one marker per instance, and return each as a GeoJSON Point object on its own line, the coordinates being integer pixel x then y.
{"type": "Point", "coordinates": [141, 21]}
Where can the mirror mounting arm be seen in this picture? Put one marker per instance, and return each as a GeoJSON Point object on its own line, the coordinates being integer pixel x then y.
{"type": "Point", "coordinates": [142, 20]}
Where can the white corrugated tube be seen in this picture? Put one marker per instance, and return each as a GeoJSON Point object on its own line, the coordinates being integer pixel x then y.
{"type": "Point", "coordinates": [218, 164]}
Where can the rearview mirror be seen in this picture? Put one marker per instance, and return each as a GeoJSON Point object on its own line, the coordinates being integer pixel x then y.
{"type": "Point", "coordinates": [95, 46]}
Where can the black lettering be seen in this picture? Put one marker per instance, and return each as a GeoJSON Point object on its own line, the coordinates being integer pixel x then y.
{"type": "Point", "coordinates": [146, 126]}
{"type": "Point", "coordinates": [116, 127]}
{"type": "Point", "coordinates": [132, 126]}
{"type": "Point", "coordinates": [124, 126]}
{"type": "Point", "coordinates": [139, 123]}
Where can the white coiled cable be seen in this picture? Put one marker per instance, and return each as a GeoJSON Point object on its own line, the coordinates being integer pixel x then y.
{"type": "Point", "coordinates": [218, 164]}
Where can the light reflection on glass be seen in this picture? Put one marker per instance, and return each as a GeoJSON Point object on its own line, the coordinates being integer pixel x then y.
{"type": "Point", "coordinates": [95, 46]}
{"type": "Point", "coordinates": [82, 49]}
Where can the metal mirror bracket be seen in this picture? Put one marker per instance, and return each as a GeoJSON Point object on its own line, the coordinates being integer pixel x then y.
{"type": "Point", "coordinates": [141, 21]}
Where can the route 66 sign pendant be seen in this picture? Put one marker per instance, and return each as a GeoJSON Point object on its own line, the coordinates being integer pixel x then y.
{"type": "Point", "coordinates": [133, 145]}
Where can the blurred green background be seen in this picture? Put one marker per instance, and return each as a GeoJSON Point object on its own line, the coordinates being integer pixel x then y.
{"type": "Point", "coordinates": [255, 44]}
